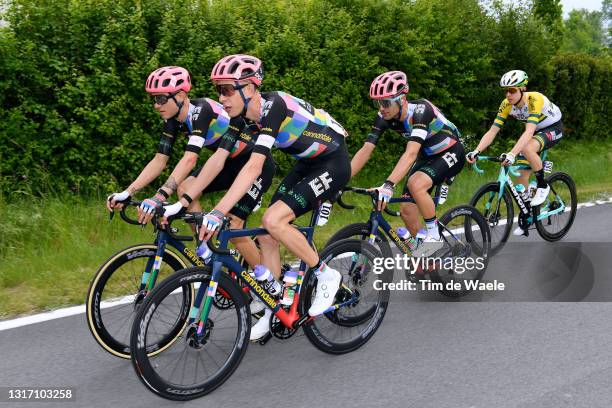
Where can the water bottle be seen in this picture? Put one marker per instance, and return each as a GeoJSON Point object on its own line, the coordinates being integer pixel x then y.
{"type": "Point", "coordinates": [204, 252]}
{"type": "Point", "coordinates": [264, 275]}
{"type": "Point", "coordinates": [324, 213]}
{"type": "Point", "coordinates": [443, 194]}
{"type": "Point", "coordinates": [408, 239]}
{"type": "Point", "coordinates": [289, 283]}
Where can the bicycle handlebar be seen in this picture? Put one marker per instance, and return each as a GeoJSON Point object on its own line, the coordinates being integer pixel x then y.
{"type": "Point", "coordinates": [511, 169]}
{"type": "Point", "coordinates": [372, 193]}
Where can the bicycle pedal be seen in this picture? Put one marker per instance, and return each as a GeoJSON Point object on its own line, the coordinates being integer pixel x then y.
{"type": "Point", "coordinates": [262, 341]}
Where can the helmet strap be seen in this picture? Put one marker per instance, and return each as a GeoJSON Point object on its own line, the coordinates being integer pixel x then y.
{"type": "Point", "coordinates": [244, 99]}
{"type": "Point", "coordinates": [180, 107]}
{"type": "Point", "coordinates": [401, 106]}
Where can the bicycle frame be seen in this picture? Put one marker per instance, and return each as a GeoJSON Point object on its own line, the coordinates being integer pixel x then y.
{"type": "Point", "coordinates": [205, 296]}
{"type": "Point", "coordinates": [149, 277]}
{"type": "Point", "coordinates": [504, 179]}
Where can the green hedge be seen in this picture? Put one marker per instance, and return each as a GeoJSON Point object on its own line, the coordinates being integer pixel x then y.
{"type": "Point", "coordinates": [75, 114]}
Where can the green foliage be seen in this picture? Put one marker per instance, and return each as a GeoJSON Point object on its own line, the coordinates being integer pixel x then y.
{"type": "Point", "coordinates": [76, 116]}
{"type": "Point", "coordinates": [585, 32]}
{"type": "Point", "coordinates": [581, 88]}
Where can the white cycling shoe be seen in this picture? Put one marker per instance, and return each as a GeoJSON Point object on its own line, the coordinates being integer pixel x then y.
{"type": "Point", "coordinates": [518, 231]}
{"type": "Point", "coordinates": [262, 327]}
{"type": "Point", "coordinates": [428, 246]}
{"type": "Point", "coordinates": [328, 283]}
{"type": "Point", "coordinates": [540, 196]}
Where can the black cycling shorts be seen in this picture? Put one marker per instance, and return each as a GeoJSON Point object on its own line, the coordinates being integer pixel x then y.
{"type": "Point", "coordinates": [439, 167]}
{"type": "Point", "coordinates": [313, 181]}
{"type": "Point", "coordinates": [226, 177]}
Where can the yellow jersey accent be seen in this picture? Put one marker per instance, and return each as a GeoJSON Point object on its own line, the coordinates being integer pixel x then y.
{"type": "Point", "coordinates": [538, 110]}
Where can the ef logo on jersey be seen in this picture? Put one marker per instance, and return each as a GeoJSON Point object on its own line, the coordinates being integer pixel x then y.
{"type": "Point", "coordinates": [266, 108]}
{"type": "Point", "coordinates": [320, 184]}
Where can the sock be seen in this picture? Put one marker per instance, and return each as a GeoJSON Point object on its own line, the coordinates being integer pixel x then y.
{"type": "Point", "coordinates": [540, 178]}
{"type": "Point", "coordinates": [432, 227]}
{"type": "Point", "coordinates": [319, 267]}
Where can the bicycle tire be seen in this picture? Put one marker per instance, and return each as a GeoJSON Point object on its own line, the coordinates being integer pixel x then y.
{"type": "Point", "coordinates": [141, 360]}
{"type": "Point", "coordinates": [493, 218]}
{"type": "Point", "coordinates": [314, 329]}
{"type": "Point", "coordinates": [107, 340]}
{"type": "Point", "coordinates": [552, 237]}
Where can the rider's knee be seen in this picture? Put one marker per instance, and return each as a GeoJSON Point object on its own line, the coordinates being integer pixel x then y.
{"type": "Point", "coordinates": [270, 221]}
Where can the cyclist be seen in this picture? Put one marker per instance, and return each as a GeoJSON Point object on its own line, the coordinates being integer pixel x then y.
{"type": "Point", "coordinates": [310, 135]}
{"type": "Point", "coordinates": [434, 152]}
{"type": "Point", "coordinates": [207, 125]}
{"type": "Point", "coordinates": [543, 129]}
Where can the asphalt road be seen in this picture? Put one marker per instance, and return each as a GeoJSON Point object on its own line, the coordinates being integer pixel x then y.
{"type": "Point", "coordinates": [501, 352]}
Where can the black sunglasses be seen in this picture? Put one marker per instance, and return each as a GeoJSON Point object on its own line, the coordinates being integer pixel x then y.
{"type": "Point", "coordinates": [228, 89]}
{"type": "Point", "coordinates": [163, 99]}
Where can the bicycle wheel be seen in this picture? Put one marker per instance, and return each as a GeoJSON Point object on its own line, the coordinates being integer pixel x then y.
{"type": "Point", "coordinates": [192, 366]}
{"type": "Point", "coordinates": [498, 213]}
{"type": "Point", "coordinates": [562, 192]}
{"type": "Point", "coordinates": [361, 231]}
{"type": "Point", "coordinates": [465, 255]}
{"type": "Point", "coordinates": [113, 297]}
{"type": "Point", "coordinates": [347, 328]}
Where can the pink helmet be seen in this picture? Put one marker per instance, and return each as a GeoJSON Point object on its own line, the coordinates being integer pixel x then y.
{"type": "Point", "coordinates": [238, 67]}
{"type": "Point", "coordinates": [389, 85]}
{"type": "Point", "coordinates": [168, 79]}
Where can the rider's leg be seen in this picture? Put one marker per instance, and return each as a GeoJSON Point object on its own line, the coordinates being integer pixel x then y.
{"type": "Point", "coordinates": [409, 213]}
{"type": "Point", "coordinates": [245, 245]}
{"type": "Point", "coordinates": [419, 183]}
{"type": "Point", "coordinates": [532, 155]}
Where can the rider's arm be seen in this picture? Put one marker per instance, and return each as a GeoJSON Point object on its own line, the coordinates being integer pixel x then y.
{"type": "Point", "coordinates": [487, 138]}
{"type": "Point", "coordinates": [363, 155]}
{"type": "Point", "coordinates": [180, 172]}
{"type": "Point", "coordinates": [405, 162]}
{"type": "Point", "coordinates": [361, 158]}
{"type": "Point", "coordinates": [502, 114]}
{"type": "Point", "coordinates": [151, 171]}
{"type": "Point", "coordinates": [245, 179]}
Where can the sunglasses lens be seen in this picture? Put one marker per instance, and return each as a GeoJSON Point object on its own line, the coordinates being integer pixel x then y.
{"type": "Point", "coordinates": [511, 91]}
{"type": "Point", "coordinates": [382, 103]}
{"type": "Point", "coordinates": [225, 90]}
{"type": "Point", "coordinates": [161, 99]}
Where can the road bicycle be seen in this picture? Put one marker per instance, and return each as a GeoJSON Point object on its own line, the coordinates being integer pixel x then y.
{"type": "Point", "coordinates": [215, 338]}
{"type": "Point", "coordinates": [552, 219]}
{"type": "Point", "coordinates": [463, 229]}
{"type": "Point", "coordinates": [122, 282]}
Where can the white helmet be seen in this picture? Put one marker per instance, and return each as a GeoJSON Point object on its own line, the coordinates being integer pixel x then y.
{"type": "Point", "coordinates": [515, 77]}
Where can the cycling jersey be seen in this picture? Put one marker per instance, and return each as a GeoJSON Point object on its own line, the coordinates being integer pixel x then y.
{"type": "Point", "coordinates": [538, 110]}
{"type": "Point", "coordinates": [296, 127]}
{"type": "Point", "coordinates": [424, 124]}
{"type": "Point", "coordinates": [208, 125]}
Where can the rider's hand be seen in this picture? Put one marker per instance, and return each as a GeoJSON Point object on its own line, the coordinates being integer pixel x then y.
{"type": "Point", "coordinates": [507, 159]}
{"type": "Point", "coordinates": [472, 156]}
{"type": "Point", "coordinates": [115, 201]}
{"type": "Point", "coordinates": [385, 192]}
{"type": "Point", "coordinates": [148, 208]}
{"type": "Point", "coordinates": [212, 222]}
{"type": "Point", "coordinates": [174, 209]}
